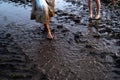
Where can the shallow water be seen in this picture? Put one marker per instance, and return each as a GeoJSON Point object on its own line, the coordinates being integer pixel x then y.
{"type": "Point", "coordinates": [20, 13]}
{"type": "Point", "coordinates": [14, 13]}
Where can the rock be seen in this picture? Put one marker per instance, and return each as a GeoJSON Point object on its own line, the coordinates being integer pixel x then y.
{"type": "Point", "coordinates": [88, 46]}
{"type": "Point", "coordinates": [118, 43]}
{"type": "Point", "coordinates": [77, 36]}
{"type": "Point", "coordinates": [59, 26]}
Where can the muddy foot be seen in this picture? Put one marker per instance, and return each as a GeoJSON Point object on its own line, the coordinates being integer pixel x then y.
{"type": "Point", "coordinates": [49, 36]}
{"type": "Point", "coordinates": [97, 17]}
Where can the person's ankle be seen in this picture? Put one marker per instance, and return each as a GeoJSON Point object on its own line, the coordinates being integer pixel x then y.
{"type": "Point", "coordinates": [49, 35]}
{"type": "Point", "coordinates": [97, 16]}
{"type": "Point", "coordinates": [90, 16]}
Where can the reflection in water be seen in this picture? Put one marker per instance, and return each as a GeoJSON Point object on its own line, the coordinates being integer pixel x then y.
{"type": "Point", "coordinates": [94, 39]}
{"type": "Point", "coordinates": [93, 28]}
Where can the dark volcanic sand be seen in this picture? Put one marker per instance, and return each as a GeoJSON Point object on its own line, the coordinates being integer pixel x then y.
{"type": "Point", "coordinates": [81, 49]}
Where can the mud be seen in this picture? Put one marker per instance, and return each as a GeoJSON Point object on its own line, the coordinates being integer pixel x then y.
{"type": "Point", "coordinates": [14, 64]}
{"type": "Point", "coordinates": [81, 49]}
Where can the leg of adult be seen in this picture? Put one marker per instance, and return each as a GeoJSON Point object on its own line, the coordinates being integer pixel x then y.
{"type": "Point", "coordinates": [49, 35]}
{"type": "Point", "coordinates": [98, 3]}
{"type": "Point", "coordinates": [49, 14]}
{"type": "Point", "coordinates": [90, 9]}
{"type": "Point", "coordinates": [47, 26]}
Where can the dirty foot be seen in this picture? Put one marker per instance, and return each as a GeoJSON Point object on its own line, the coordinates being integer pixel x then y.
{"type": "Point", "coordinates": [90, 17]}
{"type": "Point", "coordinates": [97, 17]}
{"type": "Point", "coordinates": [49, 36]}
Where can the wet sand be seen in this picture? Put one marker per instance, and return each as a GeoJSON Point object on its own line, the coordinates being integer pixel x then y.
{"type": "Point", "coordinates": [81, 49]}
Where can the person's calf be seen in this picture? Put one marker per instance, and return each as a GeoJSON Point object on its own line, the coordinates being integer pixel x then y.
{"type": "Point", "coordinates": [49, 34]}
{"type": "Point", "coordinates": [90, 9]}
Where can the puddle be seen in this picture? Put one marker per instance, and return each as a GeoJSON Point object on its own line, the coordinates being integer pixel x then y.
{"type": "Point", "coordinates": [14, 13]}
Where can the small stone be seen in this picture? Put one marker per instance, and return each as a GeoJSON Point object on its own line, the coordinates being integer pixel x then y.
{"type": "Point", "coordinates": [59, 26]}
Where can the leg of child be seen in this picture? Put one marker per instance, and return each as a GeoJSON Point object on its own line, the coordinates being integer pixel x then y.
{"type": "Point", "coordinates": [98, 3]}
{"type": "Point", "coordinates": [90, 9]}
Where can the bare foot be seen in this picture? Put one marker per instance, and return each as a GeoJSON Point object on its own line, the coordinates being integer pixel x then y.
{"type": "Point", "coordinates": [90, 17]}
{"type": "Point", "coordinates": [49, 36]}
{"type": "Point", "coordinates": [97, 17]}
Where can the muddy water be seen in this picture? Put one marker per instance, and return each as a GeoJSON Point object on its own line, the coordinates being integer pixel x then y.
{"type": "Point", "coordinates": [81, 50]}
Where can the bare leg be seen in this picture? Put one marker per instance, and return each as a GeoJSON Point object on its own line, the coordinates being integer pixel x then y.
{"type": "Point", "coordinates": [90, 9]}
{"type": "Point", "coordinates": [47, 26]}
{"type": "Point", "coordinates": [49, 35]}
{"type": "Point", "coordinates": [98, 3]}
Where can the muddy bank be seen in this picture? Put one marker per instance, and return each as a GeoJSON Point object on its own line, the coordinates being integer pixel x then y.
{"type": "Point", "coordinates": [81, 49]}
{"type": "Point", "coordinates": [14, 64]}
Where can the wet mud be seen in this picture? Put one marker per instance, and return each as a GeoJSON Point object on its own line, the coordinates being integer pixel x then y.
{"type": "Point", "coordinates": [81, 49]}
{"type": "Point", "coordinates": [14, 64]}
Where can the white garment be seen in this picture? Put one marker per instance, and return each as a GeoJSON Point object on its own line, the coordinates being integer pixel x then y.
{"type": "Point", "coordinates": [42, 9]}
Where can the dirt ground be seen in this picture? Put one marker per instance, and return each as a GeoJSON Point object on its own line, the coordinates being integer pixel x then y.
{"type": "Point", "coordinates": [81, 49]}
